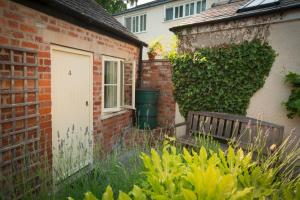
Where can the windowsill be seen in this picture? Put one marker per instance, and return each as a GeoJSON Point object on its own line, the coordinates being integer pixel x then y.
{"type": "Point", "coordinates": [108, 115]}
{"type": "Point", "coordinates": [139, 32]}
{"type": "Point", "coordinates": [184, 17]}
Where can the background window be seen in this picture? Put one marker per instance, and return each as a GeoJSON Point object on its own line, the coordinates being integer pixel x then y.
{"type": "Point", "coordinates": [201, 6]}
{"type": "Point", "coordinates": [133, 24]}
{"type": "Point", "coordinates": [136, 24]}
{"type": "Point", "coordinates": [192, 8]}
{"type": "Point", "coordinates": [176, 12]}
{"type": "Point", "coordinates": [143, 22]}
{"type": "Point", "coordinates": [128, 23]}
{"type": "Point", "coordinates": [180, 11]}
{"type": "Point", "coordinates": [169, 14]}
{"type": "Point", "coordinates": [187, 9]}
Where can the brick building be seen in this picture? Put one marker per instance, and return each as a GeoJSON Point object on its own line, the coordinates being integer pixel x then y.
{"type": "Point", "coordinates": [67, 79]}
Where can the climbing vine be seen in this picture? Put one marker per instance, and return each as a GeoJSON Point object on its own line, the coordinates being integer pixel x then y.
{"type": "Point", "coordinates": [293, 103]}
{"type": "Point", "coordinates": [221, 79]}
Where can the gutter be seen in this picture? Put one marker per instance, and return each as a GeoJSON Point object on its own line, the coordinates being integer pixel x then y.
{"type": "Point", "coordinates": [143, 6]}
{"type": "Point", "coordinates": [235, 17]}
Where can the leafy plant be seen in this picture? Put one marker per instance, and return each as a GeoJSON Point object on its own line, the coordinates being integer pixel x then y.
{"type": "Point", "coordinates": [115, 6]}
{"type": "Point", "coordinates": [207, 141]}
{"type": "Point", "coordinates": [293, 103]}
{"type": "Point", "coordinates": [221, 79]}
{"type": "Point", "coordinates": [155, 48]}
{"type": "Point", "coordinates": [206, 175]}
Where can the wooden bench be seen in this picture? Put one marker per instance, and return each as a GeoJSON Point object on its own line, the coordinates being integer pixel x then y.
{"type": "Point", "coordinates": [224, 127]}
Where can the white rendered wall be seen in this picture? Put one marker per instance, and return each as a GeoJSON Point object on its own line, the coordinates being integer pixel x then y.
{"type": "Point", "coordinates": [156, 25]}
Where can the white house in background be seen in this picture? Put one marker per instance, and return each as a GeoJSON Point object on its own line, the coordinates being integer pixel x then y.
{"type": "Point", "coordinates": [152, 20]}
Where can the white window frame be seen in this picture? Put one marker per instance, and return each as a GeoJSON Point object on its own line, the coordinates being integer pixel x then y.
{"type": "Point", "coordinates": [132, 85]}
{"type": "Point", "coordinates": [120, 105]}
{"type": "Point", "coordinates": [139, 24]}
{"type": "Point", "coordinates": [184, 13]}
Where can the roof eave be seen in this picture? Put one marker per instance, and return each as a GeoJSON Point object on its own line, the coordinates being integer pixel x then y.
{"type": "Point", "coordinates": [258, 13]}
{"type": "Point", "coordinates": [107, 28]}
{"type": "Point", "coordinates": [141, 7]}
{"type": "Point", "coordinates": [100, 26]}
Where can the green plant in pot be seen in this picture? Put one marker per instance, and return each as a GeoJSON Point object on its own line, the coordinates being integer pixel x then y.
{"type": "Point", "coordinates": [155, 48]}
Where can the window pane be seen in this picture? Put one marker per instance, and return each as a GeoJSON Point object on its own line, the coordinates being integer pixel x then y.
{"type": "Point", "coordinates": [203, 5]}
{"type": "Point", "coordinates": [187, 9]}
{"type": "Point", "coordinates": [181, 11]}
{"type": "Point", "coordinates": [198, 7]}
{"type": "Point", "coordinates": [128, 23]}
{"type": "Point", "coordinates": [110, 72]}
{"type": "Point", "coordinates": [145, 22]}
{"type": "Point", "coordinates": [169, 14]}
{"type": "Point", "coordinates": [110, 96]}
{"type": "Point", "coordinates": [141, 23]}
{"type": "Point", "coordinates": [192, 8]}
{"type": "Point", "coordinates": [176, 12]}
{"type": "Point", "coordinates": [137, 24]}
{"type": "Point", "coordinates": [133, 24]}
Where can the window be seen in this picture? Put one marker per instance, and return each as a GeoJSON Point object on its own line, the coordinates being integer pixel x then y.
{"type": "Point", "coordinates": [178, 12]}
{"type": "Point", "coordinates": [143, 22]}
{"type": "Point", "coordinates": [118, 84]}
{"type": "Point", "coordinates": [192, 7]}
{"type": "Point", "coordinates": [128, 23]}
{"type": "Point", "coordinates": [136, 24]}
{"type": "Point", "coordinates": [201, 6]}
{"type": "Point", "coordinates": [184, 10]}
{"type": "Point", "coordinates": [189, 9]}
{"type": "Point", "coordinates": [169, 14]}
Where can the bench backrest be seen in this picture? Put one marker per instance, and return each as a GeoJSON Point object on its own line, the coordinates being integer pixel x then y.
{"type": "Point", "coordinates": [223, 126]}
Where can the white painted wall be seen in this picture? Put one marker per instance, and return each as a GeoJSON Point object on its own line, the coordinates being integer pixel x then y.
{"type": "Point", "coordinates": [266, 103]}
{"type": "Point", "coordinates": [156, 26]}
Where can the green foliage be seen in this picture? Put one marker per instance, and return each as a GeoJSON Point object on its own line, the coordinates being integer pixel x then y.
{"type": "Point", "coordinates": [221, 79]}
{"type": "Point", "coordinates": [115, 6]}
{"type": "Point", "coordinates": [293, 103]}
{"type": "Point", "coordinates": [207, 141]}
{"type": "Point", "coordinates": [206, 175]}
{"type": "Point", "coordinates": [155, 47]}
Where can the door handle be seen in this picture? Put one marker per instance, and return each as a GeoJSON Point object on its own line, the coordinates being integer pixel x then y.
{"type": "Point", "coordinates": [86, 103]}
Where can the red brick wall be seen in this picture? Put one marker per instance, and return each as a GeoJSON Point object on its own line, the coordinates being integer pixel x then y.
{"type": "Point", "coordinates": [157, 74]}
{"type": "Point", "coordinates": [24, 27]}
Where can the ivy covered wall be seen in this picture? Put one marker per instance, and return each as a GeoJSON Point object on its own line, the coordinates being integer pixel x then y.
{"type": "Point", "coordinates": [221, 79]}
{"type": "Point", "coordinates": [281, 31]}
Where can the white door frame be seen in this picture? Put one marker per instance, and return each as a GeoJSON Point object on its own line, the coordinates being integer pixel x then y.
{"type": "Point", "coordinates": [91, 103]}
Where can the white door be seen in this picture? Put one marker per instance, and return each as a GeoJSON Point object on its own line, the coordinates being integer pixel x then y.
{"type": "Point", "coordinates": [71, 90]}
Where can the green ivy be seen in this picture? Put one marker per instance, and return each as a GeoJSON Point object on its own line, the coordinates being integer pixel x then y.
{"type": "Point", "coordinates": [221, 79]}
{"type": "Point", "coordinates": [293, 103]}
